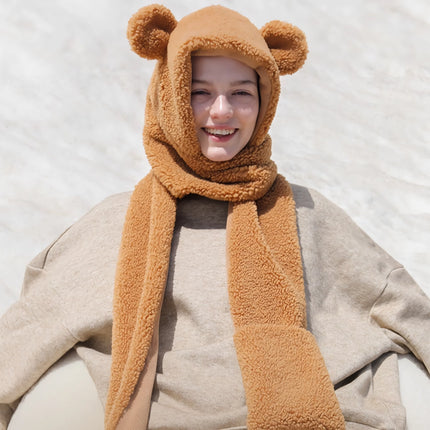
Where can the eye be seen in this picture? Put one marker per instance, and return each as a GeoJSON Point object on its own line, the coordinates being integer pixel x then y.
{"type": "Point", "coordinates": [242, 93]}
{"type": "Point", "coordinates": [199, 92]}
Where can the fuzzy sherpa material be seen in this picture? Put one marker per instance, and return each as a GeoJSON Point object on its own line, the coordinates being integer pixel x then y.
{"type": "Point", "coordinates": [286, 383]}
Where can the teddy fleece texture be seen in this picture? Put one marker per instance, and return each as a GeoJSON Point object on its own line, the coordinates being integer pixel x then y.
{"type": "Point", "coordinates": [284, 376]}
{"type": "Point", "coordinates": [362, 307]}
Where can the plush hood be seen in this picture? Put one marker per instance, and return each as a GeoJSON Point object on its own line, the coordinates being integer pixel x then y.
{"type": "Point", "coordinates": [284, 376]}
{"type": "Point", "coordinates": [170, 139]}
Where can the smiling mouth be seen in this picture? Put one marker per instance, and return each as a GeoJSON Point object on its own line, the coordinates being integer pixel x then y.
{"type": "Point", "coordinates": [220, 131]}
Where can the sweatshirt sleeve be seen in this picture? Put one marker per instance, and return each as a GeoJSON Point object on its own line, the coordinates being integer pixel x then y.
{"type": "Point", "coordinates": [66, 298]}
{"type": "Point", "coordinates": [403, 312]}
{"type": "Point", "coordinates": [32, 336]}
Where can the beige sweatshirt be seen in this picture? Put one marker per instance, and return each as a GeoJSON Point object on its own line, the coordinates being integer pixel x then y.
{"type": "Point", "coordinates": [198, 381]}
{"type": "Point", "coordinates": [363, 308]}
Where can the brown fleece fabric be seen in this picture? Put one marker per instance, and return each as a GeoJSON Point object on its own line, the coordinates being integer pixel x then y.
{"type": "Point", "coordinates": [286, 383]}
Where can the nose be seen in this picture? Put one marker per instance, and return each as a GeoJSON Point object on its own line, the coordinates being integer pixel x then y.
{"type": "Point", "coordinates": [221, 109]}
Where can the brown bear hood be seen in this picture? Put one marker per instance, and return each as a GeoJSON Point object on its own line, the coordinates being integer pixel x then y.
{"type": "Point", "coordinates": [284, 377]}
{"type": "Point", "coordinates": [170, 138]}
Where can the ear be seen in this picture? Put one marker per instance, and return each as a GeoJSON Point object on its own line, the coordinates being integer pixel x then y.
{"type": "Point", "coordinates": [149, 31]}
{"type": "Point", "coordinates": [287, 44]}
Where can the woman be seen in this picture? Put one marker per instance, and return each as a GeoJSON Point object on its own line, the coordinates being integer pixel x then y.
{"type": "Point", "coordinates": [209, 322]}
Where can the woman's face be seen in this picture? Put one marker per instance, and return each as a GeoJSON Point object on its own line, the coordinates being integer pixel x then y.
{"type": "Point", "coordinates": [225, 102]}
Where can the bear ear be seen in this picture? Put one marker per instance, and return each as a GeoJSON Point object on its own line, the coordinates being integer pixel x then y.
{"type": "Point", "coordinates": [149, 31]}
{"type": "Point", "coordinates": [287, 44]}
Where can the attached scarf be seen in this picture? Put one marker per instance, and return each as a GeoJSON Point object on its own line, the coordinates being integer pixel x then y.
{"type": "Point", "coordinates": [286, 383]}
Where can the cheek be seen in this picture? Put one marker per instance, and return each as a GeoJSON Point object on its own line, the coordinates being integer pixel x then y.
{"type": "Point", "coordinates": [199, 113]}
{"type": "Point", "coordinates": [255, 113]}
{"type": "Point", "coordinates": [194, 110]}
{"type": "Point", "coordinates": [249, 120]}
{"type": "Point", "coordinates": [249, 115]}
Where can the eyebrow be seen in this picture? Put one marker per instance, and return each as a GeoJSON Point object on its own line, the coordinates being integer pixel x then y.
{"type": "Point", "coordinates": [240, 82]}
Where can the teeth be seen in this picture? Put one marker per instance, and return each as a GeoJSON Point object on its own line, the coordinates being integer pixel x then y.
{"type": "Point", "coordinates": [222, 132]}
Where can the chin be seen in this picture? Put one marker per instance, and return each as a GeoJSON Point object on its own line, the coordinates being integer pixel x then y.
{"type": "Point", "coordinates": [218, 155]}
